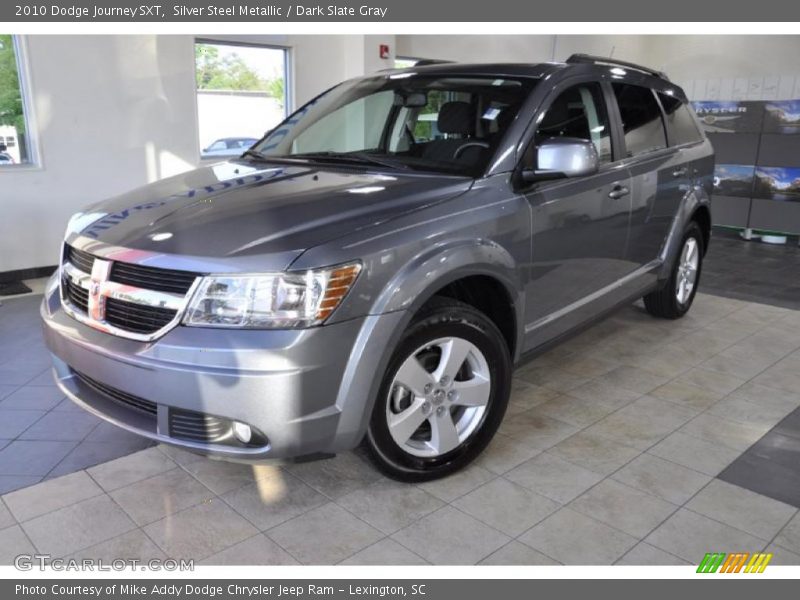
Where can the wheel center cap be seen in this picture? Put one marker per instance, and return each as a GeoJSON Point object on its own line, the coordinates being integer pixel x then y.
{"type": "Point", "coordinates": [438, 396]}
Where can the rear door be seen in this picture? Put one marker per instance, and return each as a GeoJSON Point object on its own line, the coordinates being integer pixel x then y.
{"type": "Point", "coordinates": [659, 169]}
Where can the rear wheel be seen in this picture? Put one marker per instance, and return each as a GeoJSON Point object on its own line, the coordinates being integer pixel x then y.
{"type": "Point", "coordinates": [675, 298]}
{"type": "Point", "coordinates": [443, 395]}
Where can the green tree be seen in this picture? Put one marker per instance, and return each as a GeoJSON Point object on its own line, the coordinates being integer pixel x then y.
{"type": "Point", "coordinates": [231, 72]}
{"type": "Point", "coordinates": [10, 96]}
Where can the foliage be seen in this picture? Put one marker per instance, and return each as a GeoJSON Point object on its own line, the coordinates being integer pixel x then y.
{"type": "Point", "coordinates": [231, 72]}
{"type": "Point", "coordinates": [10, 96]}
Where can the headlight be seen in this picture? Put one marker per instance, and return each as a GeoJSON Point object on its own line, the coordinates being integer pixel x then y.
{"type": "Point", "coordinates": [270, 300]}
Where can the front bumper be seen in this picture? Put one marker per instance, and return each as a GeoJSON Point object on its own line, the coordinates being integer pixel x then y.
{"type": "Point", "coordinates": [308, 391]}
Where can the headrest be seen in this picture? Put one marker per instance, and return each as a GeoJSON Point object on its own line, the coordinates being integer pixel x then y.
{"type": "Point", "coordinates": [456, 117]}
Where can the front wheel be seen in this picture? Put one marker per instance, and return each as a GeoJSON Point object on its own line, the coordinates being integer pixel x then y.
{"type": "Point", "coordinates": [675, 298]}
{"type": "Point", "coordinates": [443, 395]}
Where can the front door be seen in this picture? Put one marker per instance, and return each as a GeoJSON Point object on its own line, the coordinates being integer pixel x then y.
{"type": "Point", "coordinates": [580, 225]}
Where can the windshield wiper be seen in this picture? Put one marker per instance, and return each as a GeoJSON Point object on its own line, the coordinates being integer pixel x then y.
{"type": "Point", "coordinates": [359, 157]}
{"type": "Point", "coordinates": [255, 154]}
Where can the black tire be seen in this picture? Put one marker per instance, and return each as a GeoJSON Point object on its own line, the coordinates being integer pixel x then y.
{"type": "Point", "coordinates": [439, 318]}
{"type": "Point", "coordinates": [664, 303]}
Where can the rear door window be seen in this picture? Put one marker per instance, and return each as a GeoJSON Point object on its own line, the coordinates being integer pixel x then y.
{"type": "Point", "coordinates": [681, 124]}
{"type": "Point", "coordinates": [641, 119]}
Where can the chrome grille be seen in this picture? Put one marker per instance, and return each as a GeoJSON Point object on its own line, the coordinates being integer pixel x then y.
{"type": "Point", "coordinates": [151, 278]}
{"type": "Point", "coordinates": [124, 299]}
{"type": "Point", "coordinates": [198, 427]}
{"type": "Point", "coordinates": [78, 296]}
{"type": "Point", "coordinates": [82, 260]}
{"type": "Point", "coordinates": [118, 396]}
{"type": "Point", "coordinates": [137, 318]}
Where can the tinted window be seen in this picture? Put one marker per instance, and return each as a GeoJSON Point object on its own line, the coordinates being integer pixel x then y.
{"type": "Point", "coordinates": [579, 112]}
{"type": "Point", "coordinates": [641, 119]}
{"type": "Point", "coordinates": [681, 125]}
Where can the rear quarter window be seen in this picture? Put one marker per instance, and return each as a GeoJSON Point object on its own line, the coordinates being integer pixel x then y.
{"type": "Point", "coordinates": [681, 125]}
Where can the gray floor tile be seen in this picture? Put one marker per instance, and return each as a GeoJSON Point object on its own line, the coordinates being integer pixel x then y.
{"type": "Point", "coordinates": [33, 458]}
{"type": "Point", "coordinates": [713, 381]}
{"type": "Point", "coordinates": [130, 469]}
{"type": "Point", "coordinates": [273, 500]}
{"type": "Point", "coordinates": [695, 453]}
{"type": "Point", "coordinates": [106, 432]}
{"type": "Point", "coordinates": [325, 535]}
{"type": "Point", "coordinates": [605, 393]}
{"type": "Point", "coordinates": [384, 552]}
{"type": "Point", "coordinates": [14, 422]}
{"type": "Point", "coordinates": [748, 413]}
{"type": "Point", "coordinates": [51, 495]}
{"type": "Point", "coordinates": [574, 411]}
{"type": "Point", "coordinates": [635, 379]}
{"type": "Point", "coordinates": [459, 483]}
{"type": "Point", "coordinates": [552, 378]}
{"type": "Point", "coordinates": [720, 430]}
{"type": "Point", "coordinates": [735, 506]}
{"type": "Point", "coordinates": [536, 431]}
{"type": "Point", "coordinates": [32, 398]}
{"type": "Point", "coordinates": [553, 477]}
{"type": "Point", "coordinates": [642, 423]}
{"type": "Point", "coordinates": [257, 550]}
{"type": "Point", "coordinates": [645, 554]}
{"type": "Point", "coordinates": [506, 506]}
{"type": "Point", "coordinates": [527, 395]}
{"type": "Point", "coordinates": [451, 537]}
{"type": "Point", "coordinates": [17, 377]}
{"type": "Point", "coordinates": [594, 452]}
{"type": "Point", "coordinates": [133, 545]}
{"type": "Point", "coordinates": [575, 539]}
{"type": "Point", "coordinates": [515, 553]}
{"type": "Point", "coordinates": [690, 535]}
{"type": "Point", "coordinates": [88, 454]}
{"type": "Point", "coordinates": [337, 477]}
{"type": "Point", "coordinates": [62, 427]}
{"type": "Point", "coordinates": [78, 526]}
{"type": "Point", "coordinates": [6, 518]}
{"type": "Point", "coordinates": [627, 509]}
{"type": "Point", "coordinates": [687, 395]}
{"type": "Point", "coordinates": [782, 556]}
{"type": "Point", "coordinates": [14, 542]}
{"type": "Point", "coordinates": [9, 483]}
{"type": "Point", "coordinates": [45, 379]}
{"type": "Point", "coordinates": [200, 531]}
{"type": "Point", "coordinates": [222, 477]}
{"type": "Point", "coordinates": [665, 479]}
{"type": "Point", "coordinates": [6, 390]}
{"type": "Point", "coordinates": [769, 468]}
{"type": "Point", "coordinates": [789, 537]}
{"type": "Point", "coordinates": [156, 497]}
{"type": "Point", "coordinates": [504, 453]}
{"type": "Point", "coordinates": [389, 506]}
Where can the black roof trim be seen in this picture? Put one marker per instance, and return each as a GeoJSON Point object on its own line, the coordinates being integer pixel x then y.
{"type": "Point", "coordinates": [594, 60]}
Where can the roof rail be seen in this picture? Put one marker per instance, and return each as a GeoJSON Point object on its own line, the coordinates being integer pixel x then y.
{"type": "Point", "coordinates": [432, 61]}
{"type": "Point", "coordinates": [594, 60]}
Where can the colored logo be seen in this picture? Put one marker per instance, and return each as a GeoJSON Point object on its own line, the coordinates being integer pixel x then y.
{"type": "Point", "coordinates": [738, 562]}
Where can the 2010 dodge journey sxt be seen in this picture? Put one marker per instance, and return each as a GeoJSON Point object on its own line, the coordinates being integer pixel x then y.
{"type": "Point", "coordinates": [372, 269]}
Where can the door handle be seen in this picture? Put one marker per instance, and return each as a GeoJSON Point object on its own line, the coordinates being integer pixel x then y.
{"type": "Point", "coordinates": [679, 172]}
{"type": "Point", "coordinates": [618, 192]}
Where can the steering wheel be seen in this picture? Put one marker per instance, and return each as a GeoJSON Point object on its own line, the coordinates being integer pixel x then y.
{"type": "Point", "coordinates": [466, 145]}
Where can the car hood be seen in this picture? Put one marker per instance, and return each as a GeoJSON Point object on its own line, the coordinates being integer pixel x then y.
{"type": "Point", "coordinates": [241, 215]}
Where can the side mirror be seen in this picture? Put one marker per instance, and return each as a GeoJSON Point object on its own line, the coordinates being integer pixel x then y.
{"type": "Point", "coordinates": [563, 157]}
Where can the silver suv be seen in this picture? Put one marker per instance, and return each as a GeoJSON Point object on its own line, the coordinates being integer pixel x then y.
{"type": "Point", "coordinates": [373, 268]}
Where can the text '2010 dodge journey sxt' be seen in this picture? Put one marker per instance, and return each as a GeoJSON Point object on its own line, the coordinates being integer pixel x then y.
{"type": "Point", "coordinates": [373, 268]}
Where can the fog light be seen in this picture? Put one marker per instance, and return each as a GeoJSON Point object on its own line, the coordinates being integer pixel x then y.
{"type": "Point", "coordinates": [242, 432]}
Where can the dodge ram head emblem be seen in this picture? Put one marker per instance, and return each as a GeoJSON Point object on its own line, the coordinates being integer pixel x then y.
{"type": "Point", "coordinates": [101, 269]}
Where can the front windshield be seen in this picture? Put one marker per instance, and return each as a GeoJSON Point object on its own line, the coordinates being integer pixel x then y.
{"type": "Point", "coordinates": [447, 123]}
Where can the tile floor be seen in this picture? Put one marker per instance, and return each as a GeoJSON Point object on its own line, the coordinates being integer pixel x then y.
{"type": "Point", "coordinates": [609, 455]}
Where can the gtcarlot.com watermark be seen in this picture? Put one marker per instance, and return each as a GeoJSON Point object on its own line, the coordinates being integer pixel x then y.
{"type": "Point", "coordinates": [30, 562]}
